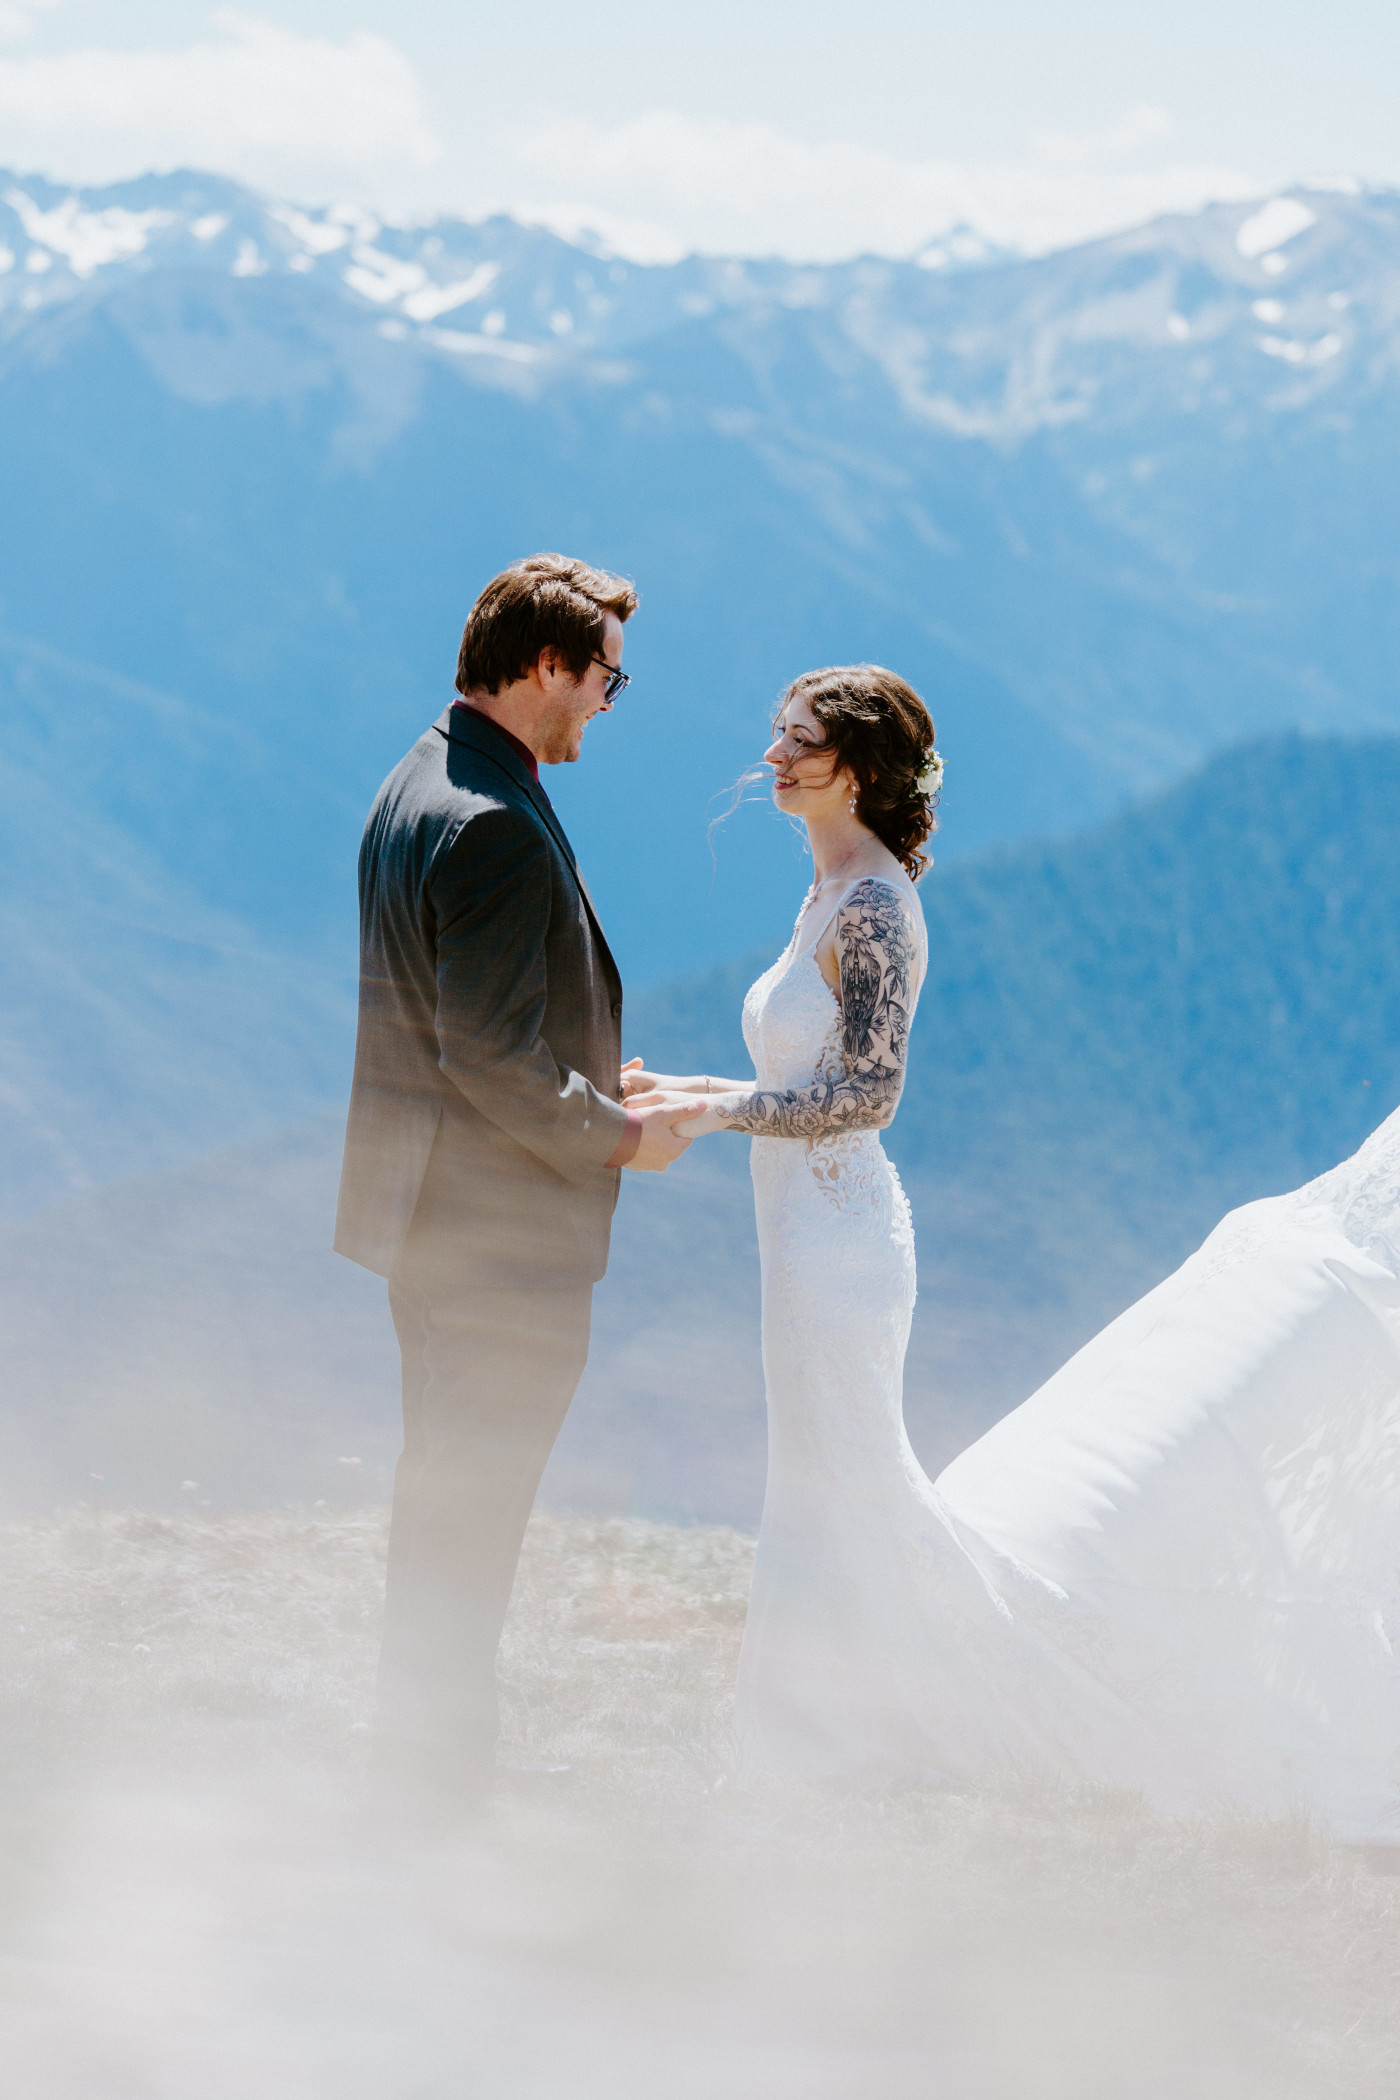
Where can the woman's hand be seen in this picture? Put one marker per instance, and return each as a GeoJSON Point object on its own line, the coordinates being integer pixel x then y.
{"type": "Point", "coordinates": [636, 1081]}
{"type": "Point", "coordinates": [684, 1108]}
{"type": "Point", "coordinates": [691, 1116]}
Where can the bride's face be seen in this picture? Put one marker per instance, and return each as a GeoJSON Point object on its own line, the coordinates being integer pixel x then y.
{"type": "Point", "coordinates": [803, 782]}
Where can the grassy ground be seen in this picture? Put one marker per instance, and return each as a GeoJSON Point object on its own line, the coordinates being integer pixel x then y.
{"type": "Point", "coordinates": [196, 1906]}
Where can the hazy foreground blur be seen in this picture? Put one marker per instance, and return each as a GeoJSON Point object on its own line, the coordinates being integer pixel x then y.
{"type": "Point", "coordinates": [197, 1903]}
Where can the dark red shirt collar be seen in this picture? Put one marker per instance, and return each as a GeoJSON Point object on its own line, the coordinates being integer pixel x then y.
{"type": "Point", "coordinates": [522, 751]}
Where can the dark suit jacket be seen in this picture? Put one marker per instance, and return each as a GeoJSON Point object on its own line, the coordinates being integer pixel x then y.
{"type": "Point", "coordinates": [486, 1064]}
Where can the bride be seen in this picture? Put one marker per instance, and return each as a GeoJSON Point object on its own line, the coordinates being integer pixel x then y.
{"type": "Point", "coordinates": [1177, 1566]}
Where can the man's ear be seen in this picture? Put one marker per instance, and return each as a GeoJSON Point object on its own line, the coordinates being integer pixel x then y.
{"type": "Point", "coordinates": [547, 664]}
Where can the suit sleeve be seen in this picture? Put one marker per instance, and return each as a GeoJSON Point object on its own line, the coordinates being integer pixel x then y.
{"type": "Point", "coordinates": [491, 893]}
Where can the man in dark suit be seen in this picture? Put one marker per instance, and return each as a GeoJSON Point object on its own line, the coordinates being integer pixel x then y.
{"type": "Point", "coordinates": [485, 1135]}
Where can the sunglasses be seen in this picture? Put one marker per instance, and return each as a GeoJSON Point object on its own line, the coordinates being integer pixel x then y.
{"type": "Point", "coordinates": [618, 681]}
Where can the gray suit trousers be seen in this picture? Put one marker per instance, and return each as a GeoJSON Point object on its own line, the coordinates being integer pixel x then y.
{"type": "Point", "coordinates": [488, 1375]}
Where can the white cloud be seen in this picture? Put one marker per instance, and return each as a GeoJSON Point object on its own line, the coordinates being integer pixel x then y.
{"type": "Point", "coordinates": [307, 116]}
{"type": "Point", "coordinates": [1084, 149]}
{"type": "Point", "coordinates": [662, 183]}
{"type": "Point", "coordinates": [252, 100]}
{"type": "Point", "coordinates": [19, 17]}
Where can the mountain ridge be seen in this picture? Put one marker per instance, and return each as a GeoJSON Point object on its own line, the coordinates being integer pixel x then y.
{"type": "Point", "coordinates": [244, 524]}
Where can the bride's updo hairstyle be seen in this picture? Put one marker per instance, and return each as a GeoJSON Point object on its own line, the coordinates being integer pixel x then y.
{"type": "Point", "coordinates": [879, 728]}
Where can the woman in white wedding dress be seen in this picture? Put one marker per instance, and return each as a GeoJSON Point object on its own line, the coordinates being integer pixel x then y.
{"type": "Point", "coordinates": [1177, 1566]}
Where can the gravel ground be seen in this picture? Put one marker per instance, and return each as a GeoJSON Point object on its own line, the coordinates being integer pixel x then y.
{"type": "Point", "coordinates": [197, 1905]}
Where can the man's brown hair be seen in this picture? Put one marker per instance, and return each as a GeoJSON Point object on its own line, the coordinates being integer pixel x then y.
{"type": "Point", "coordinates": [546, 601]}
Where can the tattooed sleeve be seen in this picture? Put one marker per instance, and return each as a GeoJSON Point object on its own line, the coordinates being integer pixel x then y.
{"type": "Point", "coordinates": [876, 952]}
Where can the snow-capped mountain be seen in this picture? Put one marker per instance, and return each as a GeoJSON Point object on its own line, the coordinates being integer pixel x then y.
{"type": "Point", "coordinates": [1126, 493]}
{"type": "Point", "coordinates": [1111, 509]}
{"type": "Point", "coordinates": [1229, 285]}
{"type": "Point", "coordinates": [491, 288]}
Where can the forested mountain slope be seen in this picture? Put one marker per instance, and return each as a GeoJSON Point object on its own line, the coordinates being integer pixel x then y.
{"type": "Point", "coordinates": [1123, 1035]}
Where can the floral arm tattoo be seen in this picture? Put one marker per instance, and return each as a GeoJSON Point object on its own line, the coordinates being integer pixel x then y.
{"type": "Point", "coordinates": [876, 952]}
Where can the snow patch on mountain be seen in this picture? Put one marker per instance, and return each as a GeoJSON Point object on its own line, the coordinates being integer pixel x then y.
{"type": "Point", "coordinates": [975, 343]}
{"type": "Point", "coordinates": [1277, 222]}
{"type": "Point", "coordinates": [86, 239]}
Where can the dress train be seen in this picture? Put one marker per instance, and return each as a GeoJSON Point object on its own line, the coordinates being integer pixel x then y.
{"type": "Point", "coordinates": [1176, 1567]}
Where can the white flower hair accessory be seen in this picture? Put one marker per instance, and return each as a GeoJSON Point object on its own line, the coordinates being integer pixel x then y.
{"type": "Point", "coordinates": [930, 780]}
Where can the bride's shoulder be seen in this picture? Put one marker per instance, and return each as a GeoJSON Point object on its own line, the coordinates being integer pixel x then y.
{"type": "Point", "coordinates": [882, 903]}
{"type": "Point", "coordinates": [886, 879]}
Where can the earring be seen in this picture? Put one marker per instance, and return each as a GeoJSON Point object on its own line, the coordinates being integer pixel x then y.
{"type": "Point", "coordinates": [855, 798]}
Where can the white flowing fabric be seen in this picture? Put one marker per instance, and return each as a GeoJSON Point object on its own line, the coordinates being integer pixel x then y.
{"type": "Point", "coordinates": [1176, 1567]}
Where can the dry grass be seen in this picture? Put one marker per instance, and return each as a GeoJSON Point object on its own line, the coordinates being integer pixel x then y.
{"type": "Point", "coordinates": [196, 1909]}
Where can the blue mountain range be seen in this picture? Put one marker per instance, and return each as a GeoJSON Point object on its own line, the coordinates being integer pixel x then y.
{"type": "Point", "coordinates": [1111, 510]}
{"type": "Point", "coordinates": [1116, 511]}
{"type": "Point", "coordinates": [1123, 1035]}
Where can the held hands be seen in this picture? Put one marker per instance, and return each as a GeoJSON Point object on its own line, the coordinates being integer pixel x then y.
{"type": "Point", "coordinates": [666, 1105]}
{"type": "Point", "coordinates": [663, 1121]}
{"type": "Point", "coordinates": [635, 1081]}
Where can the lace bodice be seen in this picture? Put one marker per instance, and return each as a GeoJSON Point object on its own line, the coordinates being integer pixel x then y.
{"type": "Point", "coordinates": [794, 1023]}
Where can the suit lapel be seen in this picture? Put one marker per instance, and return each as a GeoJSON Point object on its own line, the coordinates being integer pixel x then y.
{"type": "Point", "coordinates": [488, 745]}
{"type": "Point", "coordinates": [546, 809]}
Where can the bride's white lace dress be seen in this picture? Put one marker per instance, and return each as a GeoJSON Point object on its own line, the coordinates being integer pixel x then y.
{"type": "Point", "coordinates": [1176, 1567]}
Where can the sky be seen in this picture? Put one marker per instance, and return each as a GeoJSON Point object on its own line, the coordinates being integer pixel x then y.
{"type": "Point", "coordinates": [747, 126]}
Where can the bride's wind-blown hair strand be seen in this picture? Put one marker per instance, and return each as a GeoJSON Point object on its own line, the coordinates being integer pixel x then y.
{"type": "Point", "coordinates": [877, 725]}
{"type": "Point", "coordinates": [739, 797]}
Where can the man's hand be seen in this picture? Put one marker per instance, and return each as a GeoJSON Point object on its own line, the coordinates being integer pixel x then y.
{"type": "Point", "coordinates": [661, 1144]}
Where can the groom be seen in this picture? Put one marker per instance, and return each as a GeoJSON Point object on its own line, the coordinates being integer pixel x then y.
{"type": "Point", "coordinates": [485, 1135]}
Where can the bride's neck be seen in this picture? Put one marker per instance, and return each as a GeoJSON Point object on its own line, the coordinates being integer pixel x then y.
{"type": "Point", "coordinates": [836, 842]}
